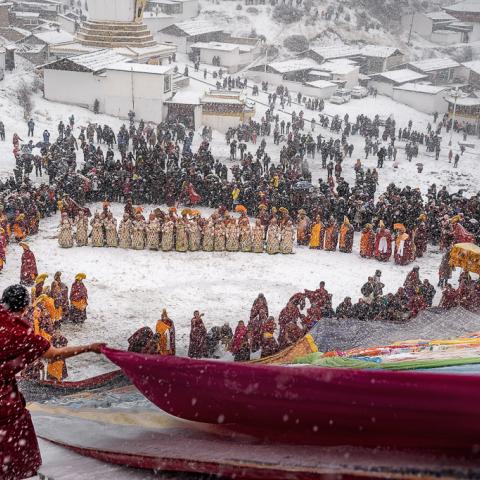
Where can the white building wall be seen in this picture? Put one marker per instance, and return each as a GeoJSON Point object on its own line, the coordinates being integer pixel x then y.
{"type": "Point", "coordinates": [383, 88]}
{"type": "Point", "coordinates": [180, 42]}
{"type": "Point", "coordinates": [141, 92]}
{"type": "Point", "coordinates": [422, 25]}
{"type": "Point", "coordinates": [475, 34]}
{"type": "Point", "coordinates": [155, 24]}
{"type": "Point", "coordinates": [315, 92]}
{"type": "Point", "coordinates": [66, 23]}
{"type": "Point", "coordinates": [423, 102]}
{"type": "Point", "coordinates": [111, 10]}
{"type": "Point", "coordinates": [445, 37]}
{"type": "Point", "coordinates": [220, 123]}
{"type": "Point", "coordinates": [190, 9]}
{"type": "Point", "coordinates": [227, 59]}
{"type": "Point", "coordinates": [2, 60]}
{"type": "Point", "coordinates": [75, 88]}
{"type": "Point", "coordinates": [350, 79]}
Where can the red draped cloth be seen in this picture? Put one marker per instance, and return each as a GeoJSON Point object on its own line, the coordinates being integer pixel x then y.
{"type": "Point", "coordinates": [19, 346]}
{"type": "Point", "coordinates": [313, 404]}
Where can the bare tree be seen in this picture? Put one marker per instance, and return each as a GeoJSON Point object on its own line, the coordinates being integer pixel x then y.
{"type": "Point", "coordinates": [24, 98]}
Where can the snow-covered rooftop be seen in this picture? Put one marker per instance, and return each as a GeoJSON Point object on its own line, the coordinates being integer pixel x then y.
{"type": "Point", "coordinates": [321, 84]}
{"type": "Point", "coordinates": [338, 67]}
{"type": "Point", "coordinates": [27, 14]}
{"type": "Point", "coordinates": [432, 64]}
{"type": "Point", "coordinates": [469, 6]}
{"type": "Point", "coordinates": [98, 60]}
{"type": "Point", "coordinates": [156, 15]}
{"type": "Point", "coordinates": [185, 97]}
{"type": "Point", "coordinates": [439, 16]}
{"type": "Point", "coordinates": [403, 75]}
{"type": "Point", "coordinates": [92, 61]}
{"type": "Point", "coordinates": [465, 102]}
{"type": "Point", "coordinates": [227, 47]}
{"type": "Point", "coordinates": [194, 27]}
{"type": "Point", "coordinates": [293, 65]}
{"type": "Point", "coordinates": [336, 51]}
{"type": "Point", "coordinates": [474, 65]}
{"type": "Point", "coordinates": [380, 51]}
{"type": "Point", "coordinates": [420, 88]}
{"type": "Point", "coordinates": [54, 36]}
{"type": "Point", "coordinates": [140, 68]}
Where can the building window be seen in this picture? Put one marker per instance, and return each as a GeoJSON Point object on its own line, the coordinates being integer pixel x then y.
{"type": "Point", "coordinates": [167, 83]}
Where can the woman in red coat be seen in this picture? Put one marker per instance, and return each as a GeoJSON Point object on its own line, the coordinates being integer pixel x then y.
{"type": "Point", "coordinates": [19, 346]}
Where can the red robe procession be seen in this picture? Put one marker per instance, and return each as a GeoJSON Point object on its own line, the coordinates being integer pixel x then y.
{"type": "Point", "coordinates": [28, 270]}
{"type": "Point", "coordinates": [19, 346]}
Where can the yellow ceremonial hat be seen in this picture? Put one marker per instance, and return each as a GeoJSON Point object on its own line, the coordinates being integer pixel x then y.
{"type": "Point", "coordinates": [41, 278]}
{"type": "Point", "coordinates": [80, 276]}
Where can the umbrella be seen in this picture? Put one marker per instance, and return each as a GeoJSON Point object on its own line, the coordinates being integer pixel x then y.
{"type": "Point", "coordinates": [303, 185]}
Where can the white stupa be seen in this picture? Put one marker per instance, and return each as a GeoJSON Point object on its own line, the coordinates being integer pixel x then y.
{"type": "Point", "coordinates": [115, 23]}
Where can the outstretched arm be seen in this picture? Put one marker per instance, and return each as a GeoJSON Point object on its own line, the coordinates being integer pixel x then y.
{"type": "Point", "coordinates": [66, 352]}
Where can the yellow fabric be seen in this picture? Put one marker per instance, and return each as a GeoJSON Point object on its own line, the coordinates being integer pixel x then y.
{"type": "Point", "coordinates": [36, 326]}
{"type": "Point", "coordinates": [79, 304]}
{"type": "Point", "coordinates": [466, 256]}
{"type": "Point", "coordinates": [343, 234]}
{"type": "Point", "coordinates": [161, 327]}
{"type": "Point", "coordinates": [403, 236]}
{"type": "Point", "coordinates": [235, 193]}
{"type": "Point", "coordinates": [55, 369]}
{"type": "Point", "coordinates": [55, 314]}
{"type": "Point", "coordinates": [315, 236]}
{"type": "Point", "coordinates": [311, 343]}
{"type": "Point", "coordinates": [18, 232]}
{"type": "Point", "coordinates": [268, 335]}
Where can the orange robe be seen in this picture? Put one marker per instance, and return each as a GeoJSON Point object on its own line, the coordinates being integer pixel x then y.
{"type": "Point", "coordinates": [317, 235]}
{"type": "Point", "coordinates": [367, 243]}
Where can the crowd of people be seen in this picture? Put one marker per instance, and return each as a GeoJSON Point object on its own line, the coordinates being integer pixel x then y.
{"type": "Point", "coordinates": [157, 164]}
{"type": "Point", "coordinates": [188, 232]}
{"type": "Point", "coordinates": [263, 336]}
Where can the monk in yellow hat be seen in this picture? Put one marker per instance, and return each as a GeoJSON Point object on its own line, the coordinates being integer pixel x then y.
{"type": "Point", "coordinates": [78, 299]}
{"type": "Point", "coordinates": [37, 289]}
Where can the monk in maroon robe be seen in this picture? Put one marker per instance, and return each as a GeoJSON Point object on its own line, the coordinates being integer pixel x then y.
{"type": "Point", "coordinates": [416, 304]}
{"type": "Point", "coordinates": [420, 239]}
{"type": "Point", "coordinates": [412, 282]}
{"type": "Point", "coordinates": [258, 314]}
{"type": "Point", "coordinates": [269, 344]}
{"type": "Point", "coordinates": [240, 346]}
{"type": "Point", "coordinates": [383, 244]}
{"type": "Point", "coordinates": [449, 298]}
{"type": "Point", "coordinates": [198, 347]}
{"type": "Point", "coordinates": [28, 270]}
{"type": "Point", "coordinates": [78, 300]}
{"type": "Point", "coordinates": [19, 346]}
{"type": "Point", "coordinates": [290, 314]}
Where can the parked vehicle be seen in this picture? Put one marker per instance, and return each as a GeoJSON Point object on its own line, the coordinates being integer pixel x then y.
{"type": "Point", "coordinates": [359, 92]}
{"type": "Point", "coordinates": [341, 96]}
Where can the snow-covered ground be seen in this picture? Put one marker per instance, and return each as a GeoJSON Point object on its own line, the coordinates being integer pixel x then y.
{"type": "Point", "coordinates": [129, 289]}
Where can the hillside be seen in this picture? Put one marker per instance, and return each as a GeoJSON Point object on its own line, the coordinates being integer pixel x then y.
{"type": "Point", "coordinates": [327, 22]}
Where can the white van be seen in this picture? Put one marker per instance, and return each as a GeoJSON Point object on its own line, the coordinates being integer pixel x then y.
{"type": "Point", "coordinates": [341, 96]}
